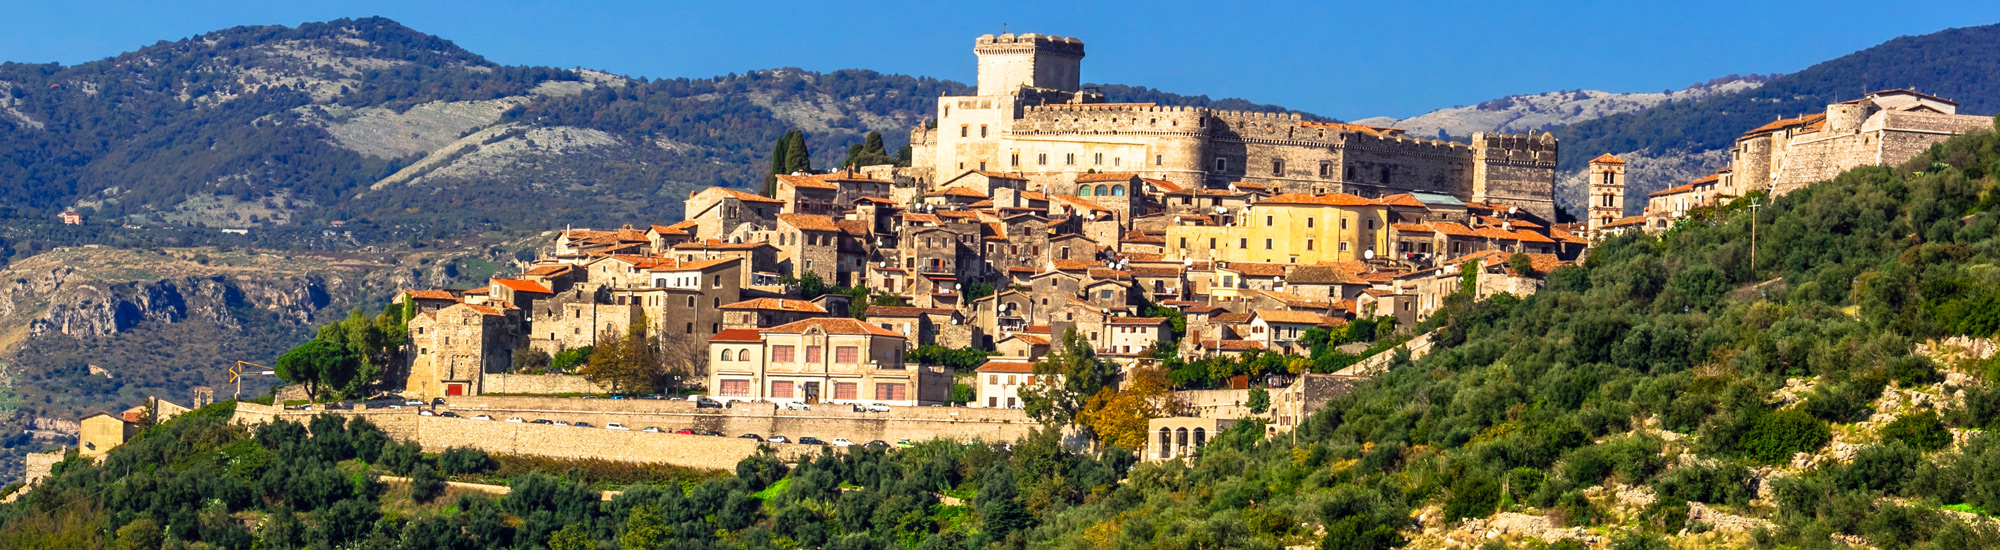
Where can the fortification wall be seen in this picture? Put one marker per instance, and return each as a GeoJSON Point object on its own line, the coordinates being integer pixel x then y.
{"type": "Point", "coordinates": [826, 421]}
{"type": "Point", "coordinates": [539, 384]}
{"type": "Point", "coordinates": [1517, 170]}
{"type": "Point", "coordinates": [1217, 403]}
{"type": "Point", "coordinates": [397, 423]}
{"type": "Point", "coordinates": [694, 451]}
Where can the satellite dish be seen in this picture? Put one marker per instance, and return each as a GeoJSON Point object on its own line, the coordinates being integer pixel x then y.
{"type": "Point", "coordinates": [1369, 254]}
{"type": "Point", "coordinates": [1511, 210]}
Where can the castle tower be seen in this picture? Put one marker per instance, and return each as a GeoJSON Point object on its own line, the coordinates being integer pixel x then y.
{"type": "Point", "coordinates": [1008, 62]}
{"type": "Point", "coordinates": [1607, 191]}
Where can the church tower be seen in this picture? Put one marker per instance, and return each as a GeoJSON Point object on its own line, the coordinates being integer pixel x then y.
{"type": "Point", "coordinates": [1607, 191]}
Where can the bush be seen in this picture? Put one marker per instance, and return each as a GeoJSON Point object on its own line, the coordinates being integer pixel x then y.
{"type": "Point", "coordinates": [1883, 468]}
{"type": "Point", "coordinates": [425, 485]}
{"type": "Point", "coordinates": [464, 460]}
{"type": "Point", "coordinates": [1722, 484]}
{"type": "Point", "coordinates": [1922, 431]}
{"type": "Point", "coordinates": [1914, 370]}
{"type": "Point", "coordinates": [1774, 437]}
{"type": "Point", "coordinates": [401, 457]}
{"type": "Point", "coordinates": [1473, 496]}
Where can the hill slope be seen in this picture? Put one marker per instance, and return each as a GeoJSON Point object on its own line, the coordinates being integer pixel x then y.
{"type": "Point", "coordinates": [1521, 113]}
{"type": "Point", "coordinates": [1961, 64]}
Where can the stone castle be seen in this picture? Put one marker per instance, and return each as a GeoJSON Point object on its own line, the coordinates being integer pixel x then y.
{"type": "Point", "coordinates": [1031, 116]}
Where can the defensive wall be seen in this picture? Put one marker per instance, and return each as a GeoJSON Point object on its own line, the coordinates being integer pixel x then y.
{"type": "Point", "coordinates": [544, 384]}
{"type": "Point", "coordinates": [826, 422]}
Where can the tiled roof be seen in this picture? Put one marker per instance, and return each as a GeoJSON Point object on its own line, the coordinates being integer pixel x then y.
{"type": "Point", "coordinates": [546, 271]}
{"type": "Point", "coordinates": [1527, 236]}
{"type": "Point", "coordinates": [832, 325]}
{"type": "Point", "coordinates": [1628, 220]}
{"type": "Point", "coordinates": [1137, 320]}
{"type": "Point", "coordinates": [1229, 318]}
{"type": "Point", "coordinates": [1682, 188]}
{"type": "Point", "coordinates": [1402, 199]}
{"type": "Point", "coordinates": [1289, 316]}
{"type": "Point", "coordinates": [430, 295]}
{"type": "Point", "coordinates": [858, 228]}
{"type": "Point", "coordinates": [1453, 229]}
{"type": "Point", "coordinates": [1074, 265]}
{"type": "Point", "coordinates": [1256, 269]}
{"type": "Point", "coordinates": [1080, 202]}
{"type": "Point", "coordinates": [920, 218]}
{"type": "Point", "coordinates": [1108, 274]}
{"type": "Point", "coordinates": [809, 222]}
{"type": "Point", "coordinates": [1785, 123]}
{"type": "Point", "coordinates": [956, 191]}
{"type": "Point", "coordinates": [1321, 275]}
{"type": "Point", "coordinates": [486, 310]}
{"type": "Point", "coordinates": [1164, 185]}
{"type": "Point", "coordinates": [1106, 176]}
{"type": "Point", "coordinates": [1247, 185]}
{"type": "Point", "coordinates": [1330, 199]}
{"type": "Point", "coordinates": [776, 304]}
{"type": "Point", "coordinates": [1036, 329]}
{"type": "Point", "coordinates": [747, 197]}
{"type": "Point", "coordinates": [715, 244]}
{"type": "Point", "coordinates": [878, 200]}
{"type": "Point", "coordinates": [1143, 256]}
{"type": "Point", "coordinates": [900, 311]}
{"type": "Point", "coordinates": [1147, 271]}
{"type": "Point", "coordinates": [808, 182]}
{"type": "Point", "coordinates": [1035, 196]}
{"type": "Point", "coordinates": [1543, 263]}
{"type": "Point", "coordinates": [1032, 339]}
{"type": "Point", "coordinates": [1410, 228]}
{"type": "Point", "coordinates": [1007, 367]}
{"type": "Point", "coordinates": [1002, 175]}
{"type": "Point", "coordinates": [523, 286]}
{"type": "Point", "coordinates": [738, 335]}
{"type": "Point", "coordinates": [668, 230]}
{"type": "Point", "coordinates": [1567, 237]}
{"type": "Point", "coordinates": [1607, 158]}
{"type": "Point", "coordinates": [1232, 345]}
{"type": "Point", "coordinates": [988, 203]}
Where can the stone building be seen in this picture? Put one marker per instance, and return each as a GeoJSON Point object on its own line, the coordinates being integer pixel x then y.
{"type": "Point", "coordinates": [1030, 115]}
{"type": "Point", "coordinates": [1001, 381]}
{"type": "Point", "coordinates": [808, 243]}
{"type": "Point", "coordinates": [768, 312]}
{"type": "Point", "coordinates": [1180, 436]}
{"type": "Point", "coordinates": [1881, 128]}
{"type": "Point", "coordinates": [820, 360]}
{"type": "Point", "coordinates": [1666, 205]}
{"type": "Point", "coordinates": [1307, 394]}
{"type": "Point", "coordinates": [457, 346]}
{"type": "Point", "coordinates": [718, 211]}
{"type": "Point", "coordinates": [1607, 191]}
{"type": "Point", "coordinates": [1291, 228]}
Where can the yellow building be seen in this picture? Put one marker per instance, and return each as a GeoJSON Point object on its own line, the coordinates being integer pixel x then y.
{"type": "Point", "coordinates": [1293, 228]}
{"type": "Point", "coordinates": [101, 432]}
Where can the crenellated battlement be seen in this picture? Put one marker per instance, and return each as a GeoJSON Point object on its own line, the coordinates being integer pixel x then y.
{"type": "Point", "coordinates": [1010, 42]}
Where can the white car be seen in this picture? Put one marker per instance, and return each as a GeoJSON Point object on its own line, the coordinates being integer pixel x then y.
{"type": "Point", "coordinates": [777, 439]}
{"type": "Point", "coordinates": [615, 426]}
{"type": "Point", "coordinates": [426, 413]}
{"type": "Point", "coordinates": [559, 423]}
{"type": "Point", "coordinates": [516, 420]}
{"type": "Point", "coordinates": [651, 429]}
{"type": "Point", "coordinates": [878, 408]}
{"type": "Point", "coordinates": [842, 442]}
{"type": "Point", "coordinates": [482, 417]}
{"type": "Point", "coordinates": [797, 406]}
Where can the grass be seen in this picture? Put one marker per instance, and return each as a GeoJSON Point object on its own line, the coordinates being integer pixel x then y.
{"type": "Point", "coordinates": [1967, 508]}
{"type": "Point", "coordinates": [774, 490]}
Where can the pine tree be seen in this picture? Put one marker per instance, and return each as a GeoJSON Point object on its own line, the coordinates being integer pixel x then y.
{"type": "Point", "coordinates": [873, 144]}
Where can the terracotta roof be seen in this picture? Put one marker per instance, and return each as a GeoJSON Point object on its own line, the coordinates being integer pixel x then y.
{"type": "Point", "coordinates": [1137, 320]}
{"type": "Point", "coordinates": [1542, 263]}
{"type": "Point", "coordinates": [1232, 345]}
{"type": "Point", "coordinates": [777, 304]}
{"type": "Point", "coordinates": [1453, 229]}
{"type": "Point", "coordinates": [716, 244]}
{"type": "Point", "coordinates": [1607, 158]}
{"type": "Point", "coordinates": [1567, 237]}
{"type": "Point", "coordinates": [1035, 196]}
{"type": "Point", "coordinates": [1322, 274]}
{"type": "Point", "coordinates": [522, 286]}
{"type": "Point", "coordinates": [1402, 199]}
{"type": "Point", "coordinates": [1081, 202]}
{"type": "Point", "coordinates": [1410, 228]}
{"type": "Point", "coordinates": [1256, 269]}
{"type": "Point", "coordinates": [1138, 237]}
{"type": "Point", "coordinates": [546, 271]}
{"type": "Point", "coordinates": [1144, 256]}
{"type": "Point", "coordinates": [1074, 265]}
{"type": "Point", "coordinates": [956, 191]}
{"type": "Point", "coordinates": [1785, 123]}
{"type": "Point", "coordinates": [1001, 175]}
{"type": "Point", "coordinates": [1330, 199]}
{"type": "Point", "coordinates": [1229, 318]}
{"type": "Point", "coordinates": [1034, 339]}
{"type": "Point", "coordinates": [486, 310]}
{"type": "Point", "coordinates": [1164, 185]}
{"type": "Point", "coordinates": [1036, 329]}
{"type": "Point", "coordinates": [920, 218]}
{"type": "Point", "coordinates": [430, 295]}
{"type": "Point", "coordinates": [668, 230]}
{"type": "Point", "coordinates": [738, 335]}
{"type": "Point", "coordinates": [808, 182]}
{"type": "Point", "coordinates": [1682, 188]}
{"type": "Point", "coordinates": [1106, 176]}
{"type": "Point", "coordinates": [858, 228]}
{"type": "Point", "coordinates": [1344, 305]}
{"type": "Point", "coordinates": [1527, 236]}
{"type": "Point", "coordinates": [1007, 367]}
{"type": "Point", "coordinates": [1108, 274]}
{"type": "Point", "coordinates": [1708, 178]}
{"type": "Point", "coordinates": [1628, 220]}
{"type": "Point", "coordinates": [832, 325]}
{"type": "Point", "coordinates": [900, 311]}
{"type": "Point", "coordinates": [1247, 185]}
{"type": "Point", "coordinates": [747, 197]}
{"type": "Point", "coordinates": [988, 203]}
{"type": "Point", "coordinates": [1289, 316]}
{"type": "Point", "coordinates": [1148, 271]}
{"type": "Point", "coordinates": [809, 222]}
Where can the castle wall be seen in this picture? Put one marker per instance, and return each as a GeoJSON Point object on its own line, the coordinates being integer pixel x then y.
{"type": "Point", "coordinates": [539, 384]}
{"type": "Point", "coordinates": [1155, 142]}
{"type": "Point", "coordinates": [1516, 170]}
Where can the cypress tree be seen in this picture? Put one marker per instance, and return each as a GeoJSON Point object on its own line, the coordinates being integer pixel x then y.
{"type": "Point", "coordinates": [874, 145]}
{"type": "Point", "coordinates": [780, 152]}
{"type": "Point", "coordinates": [797, 158]}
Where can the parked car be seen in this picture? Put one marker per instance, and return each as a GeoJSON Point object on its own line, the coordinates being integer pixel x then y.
{"type": "Point", "coordinates": [842, 442]}
{"type": "Point", "coordinates": [583, 425]}
{"type": "Point", "coordinates": [449, 414]}
{"type": "Point", "coordinates": [438, 401]}
{"type": "Point", "coordinates": [413, 402]}
{"type": "Point", "coordinates": [542, 421]}
{"type": "Point", "coordinates": [751, 436]}
{"type": "Point", "coordinates": [712, 433]}
{"type": "Point", "coordinates": [777, 439]}
{"type": "Point", "coordinates": [685, 431]}
{"type": "Point", "coordinates": [878, 407]}
{"type": "Point", "coordinates": [904, 443]}
{"type": "Point", "coordinates": [876, 444]}
{"type": "Point", "coordinates": [426, 413]}
{"type": "Point", "coordinates": [515, 419]}
{"type": "Point", "coordinates": [560, 423]}
{"type": "Point", "coordinates": [797, 406]}
{"type": "Point", "coordinates": [482, 417]}
{"type": "Point", "coordinates": [615, 426]}
{"type": "Point", "coordinates": [809, 440]}
{"type": "Point", "coordinates": [651, 429]}
{"type": "Point", "coordinates": [707, 404]}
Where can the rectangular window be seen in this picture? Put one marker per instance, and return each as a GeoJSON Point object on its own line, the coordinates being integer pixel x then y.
{"type": "Point", "coordinates": [1277, 167]}
{"type": "Point", "coordinates": [1010, 379]}
{"type": "Point", "coordinates": [1268, 221]}
{"type": "Point", "coordinates": [1183, 242]}
{"type": "Point", "coordinates": [962, 130]}
{"type": "Point", "coordinates": [1243, 243]}
{"type": "Point", "coordinates": [1159, 160]}
{"type": "Point", "coordinates": [1103, 294]}
{"type": "Point", "coordinates": [845, 355]}
{"type": "Point", "coordinates": [993, 379]}
{"type": "Point", "coordinates": [812, 354]}
{"type": "Point", "coordinates": [1010, 402]}
{"type": "Point", "coordinates": [1098, 159]}
{"type": "Point", "coordinates": [1069, 158]}
{"type": "Point", "coordinates": [1267, 244]}
{"type": "Point", "coordinates": [1211, 244]}
{"type": "Point", "coordinates": [1343, 224]}
{"type": "Point", "coordinates": [1325, 169]}
{"type": "Point", "coordinates": [1309, 222]}
{"type": "Point", "coordinates": [1343, 246]}
{"type": "Point", "coordinates": [846, 390]}
{"type": "Point", "coordinates": [992, 402]}
{"type": "Point", "coordinates": [781, 354]}
{"type": "Point", "coordinates": [736, 388]}
{"type": "Point", "coordinates": [890, 392]}
{"type": "Point", "coordinates": [982, 130]}
{"type": "Point", "coordinates": [1015, 159]}
{"type": "Point", "coordinates": [1221, 164]}
{"type": "Point", "coordinates": [1042, 159]}
{"type": "Point", "coordinates": [781, 390]}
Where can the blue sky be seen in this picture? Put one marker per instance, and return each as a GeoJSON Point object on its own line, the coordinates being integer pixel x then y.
{"type": "Point", "coordinates": [1344, 59]}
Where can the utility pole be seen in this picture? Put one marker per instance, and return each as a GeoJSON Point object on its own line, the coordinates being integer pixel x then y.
{"type": "Point", "coordinates": [1754, 204]}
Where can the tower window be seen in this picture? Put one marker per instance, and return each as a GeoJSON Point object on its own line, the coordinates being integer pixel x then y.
{"type": "Point", "coordinates": [1069, 158]}
{"type": "Point", "coordinates": [982, 130]}
{"type": "Point", "coordinates": [1277, 167]}
{"type": "Point", "coordinates": [962, 129]}
{"type": "Point", "coordinates": [1325, 169]}
{"type": "Point", "coordinates": [1016, 159]}
{"type": "Point", "coordinates": [1159, 159]}
{"type": "Point", "coordinates": [1042, 159]}
{"type": "Point", "coordinates": [1221, 164]}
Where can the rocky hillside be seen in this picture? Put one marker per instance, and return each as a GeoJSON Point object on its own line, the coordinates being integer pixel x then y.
{"type": "Point", "coordinates": [1521, 113]}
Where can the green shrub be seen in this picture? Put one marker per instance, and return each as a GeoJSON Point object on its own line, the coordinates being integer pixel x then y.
{"type": "Point", "coordinates": [1885, 467]}
{"type": "Point", "coordinates": [1472, 496]}
{"type": "Point", "coordinates": [1914, 370]}
{"type": "Point", "coordinates": [1720, 484]}
{"type": "Point", "coordinates": [425, 485]}
{"type": "Point", "coordinates": [1774, 437]}
{"type": "Point", "coordinates": [1921, 431]}
{"type": "Point", "coordinates": [464, 460]}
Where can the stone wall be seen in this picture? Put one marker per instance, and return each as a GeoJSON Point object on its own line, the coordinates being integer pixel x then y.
{"type": "Point", "coordinates": [38, 465]}
{"type": "Point", "coordinates": [715, 453]}
{"type": "Point", "coordinates": [1217, 403]}
{"type": "Point", "coordinates": [824, 421]}
{"type": "Point", "coordinates": [539, 384]}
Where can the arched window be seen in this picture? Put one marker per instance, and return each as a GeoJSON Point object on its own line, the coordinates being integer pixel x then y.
{"type": "Point", "coordinates": [1083, 190]}
{"type": "Point", "coordinates": [1117, 190]}
{"type": "Point", "coordinates": [743, 354]}
{"type": "Point", "coordinates": [726, 356]}
{"type": "Point", "coordinates": [1200, 437]}
{"type": "Point", "coordinates": [1180, 441]}
{"type": "Point", "coordinates": [1101, 190]}
{"type": "Point", "coordinates": [1166, 443]}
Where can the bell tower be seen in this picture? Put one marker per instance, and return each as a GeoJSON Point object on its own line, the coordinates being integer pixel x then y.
{"type": "Point", "coordinates": [1607, 191]}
